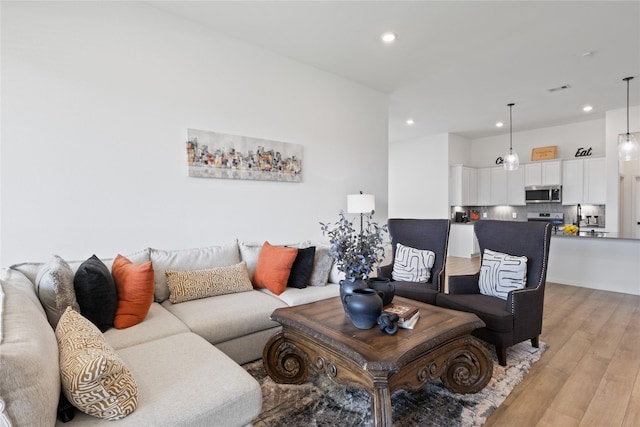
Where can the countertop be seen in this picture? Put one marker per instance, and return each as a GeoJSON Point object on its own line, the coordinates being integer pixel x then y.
{"type": "Point", "coordinates": [598, 233]}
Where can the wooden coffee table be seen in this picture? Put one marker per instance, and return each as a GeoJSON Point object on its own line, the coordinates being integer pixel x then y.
{"type": "Point", "coordinates": [318, 335]}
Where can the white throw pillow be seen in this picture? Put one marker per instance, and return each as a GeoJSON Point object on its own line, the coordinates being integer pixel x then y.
{"type": "Point", "coordinates": [412, 265]}
{"type": "Point", "coordinates": [501, 273]}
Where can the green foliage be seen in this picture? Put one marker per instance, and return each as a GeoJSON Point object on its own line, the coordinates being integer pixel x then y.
{"type": "Point", "coordinates": [356, 253]}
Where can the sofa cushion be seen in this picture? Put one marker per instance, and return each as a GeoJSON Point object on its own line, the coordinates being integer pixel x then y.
{"type": "Point", "coordinates": [196, 284]}
{"type": "Point", "coordinates": [185, 381]}
{"type": "Point", "coordinates": [322, 263]}
{"type": "Point", "coordinates": [94, 378]}
{"type": "Point", "coordinates": [134, 283]}
{"type": "Point", "coordinates": [274, 267]}
{"type": "Point", "coordinates": [501, 273]}
{"type": "Point", "coordinates": [29, 372]}
{"type": "Point", "coordinates": [412, 265]}
{"type": "Point", "coordinates": [159, 323]}
{"type": "Point", "coordinates": [250, 252]}
{"type": "Point", "coordinates": [96, 293]}
{"type": "Point", "coordinates": [189, 259]}
{"type": "Point", "coordinates": [54, 285]}
{"type": "Point", "coordinates": [295, 296]}
{"type": "Point", "coordinates": [227, 316]}
{"type": "Point", "coordinates": [302, 268]}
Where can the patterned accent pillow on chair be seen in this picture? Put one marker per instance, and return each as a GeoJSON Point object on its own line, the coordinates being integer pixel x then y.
{"type": "Point", "coordinates": [501, 273]}
{"type": "Point", "coordinates": [94, 378]}
{"type": "Point", "coordinates": [412, 265]}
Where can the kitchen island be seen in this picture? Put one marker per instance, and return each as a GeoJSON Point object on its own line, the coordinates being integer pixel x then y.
{"type": "Point", "coordinates": [598, 260]}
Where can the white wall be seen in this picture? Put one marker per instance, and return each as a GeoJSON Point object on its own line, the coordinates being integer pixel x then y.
{"type": "Point", "coordinates": [419, 178]}
{"type": "Point", "coordinates": [459, 150]}
{"type": "Point", "coordinates": [568, 138]}
{"type": "Point", "coordinates": [96, 101]}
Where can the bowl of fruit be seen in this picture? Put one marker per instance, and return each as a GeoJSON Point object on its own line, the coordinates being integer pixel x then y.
{"type": "Point", "coordinates": [570, 229]}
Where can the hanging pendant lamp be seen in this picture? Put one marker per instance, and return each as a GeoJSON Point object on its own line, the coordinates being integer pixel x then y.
{"type": "Point", "coordinates": [628, 146]}
{"type": "Point", "coordinates": [511, 161]}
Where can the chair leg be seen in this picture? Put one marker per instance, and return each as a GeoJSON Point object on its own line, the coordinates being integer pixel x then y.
{"type": "Point", "coordinates": [535, 341]}
{"type": "Point", "coordinates": [502, 355]}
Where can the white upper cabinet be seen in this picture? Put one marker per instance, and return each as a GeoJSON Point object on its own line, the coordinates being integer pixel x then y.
{"type": "Point", "coordinates": [584, 181]}
{"type": "Point", "coordinates": [595, 181]}
{"type": "Point", "coordinates": [484, 186]}
{"type": "Point", "coordinates": [463, 186]}
{"type": "Point", "coordinates": [515, 187]}
{"type": "Point", "coordinates": [498, 186]}
{"type": "Point", "coordinates": [543, 173]}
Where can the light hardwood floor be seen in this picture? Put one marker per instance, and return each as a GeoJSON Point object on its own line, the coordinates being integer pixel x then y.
{"type": "Point", "coordinates": [590, 375]}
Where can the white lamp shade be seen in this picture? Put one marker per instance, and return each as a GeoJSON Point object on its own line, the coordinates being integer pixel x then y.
{"type": "Point", "coordinates": [628, 148]}
{"type": "Point", "coordinates": [361, 203]}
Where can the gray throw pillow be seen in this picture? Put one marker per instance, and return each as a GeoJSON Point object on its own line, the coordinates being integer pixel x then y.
{"type": "Point", "coordinates": [321, 267]}
{"type": "Point", "coordinates": [54, 285]}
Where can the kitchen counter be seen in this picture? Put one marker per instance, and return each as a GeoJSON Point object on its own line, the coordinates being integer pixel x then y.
{"type": "Point", "coordinates": [597, 233]}
{"type": "Point", "coordinates": [606, 261]}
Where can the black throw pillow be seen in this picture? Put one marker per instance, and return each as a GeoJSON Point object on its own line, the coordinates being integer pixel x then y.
{"type": "Point", "coordinates": [302, 268]}
{"type": "Point", "coordinates": [96, 293]}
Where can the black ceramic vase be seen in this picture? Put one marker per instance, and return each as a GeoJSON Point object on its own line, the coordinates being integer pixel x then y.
{"type": "Point", "coordinates": [364, 307]}
{"type": "Point", "coordinates": [384, 287]}
{"type": "Point", "coordinates": [346, 288]}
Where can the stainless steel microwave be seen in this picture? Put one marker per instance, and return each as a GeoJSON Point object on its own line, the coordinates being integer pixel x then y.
{"type": "Point", "coordinates": [543, 194]}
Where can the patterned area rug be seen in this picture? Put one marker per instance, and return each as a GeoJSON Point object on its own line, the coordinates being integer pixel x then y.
{"type": "Point", "coordinates": [319, 402]}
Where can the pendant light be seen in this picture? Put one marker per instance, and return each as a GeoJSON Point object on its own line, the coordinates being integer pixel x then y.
{"type": "Point", "coordinates": [628, 146]}
{"type": "Point", "coordinates": [511, 161]}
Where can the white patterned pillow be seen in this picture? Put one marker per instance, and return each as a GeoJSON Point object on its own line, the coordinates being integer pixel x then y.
{"type": "Point", "coordinates": [94, 378]}
{"type": "Point", "coordinates": [412, 265]}
{"type": "Point", "coordinates": [196, 284]}
{"type": "Point", "coordinates": [501, 273]}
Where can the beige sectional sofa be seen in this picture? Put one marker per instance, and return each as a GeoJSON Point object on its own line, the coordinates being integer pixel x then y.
{"type": "Point", "coordinates": [184, 357]}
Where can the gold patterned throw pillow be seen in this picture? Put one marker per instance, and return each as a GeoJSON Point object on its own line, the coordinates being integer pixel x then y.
{"type": "Point", "coordinates": [94, 378]}
{"type": "Point", "coordinates": [196, 284]}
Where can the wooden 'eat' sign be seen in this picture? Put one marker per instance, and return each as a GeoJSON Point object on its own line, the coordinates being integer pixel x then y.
{"type": "Point", "coordinates": [544, 153]}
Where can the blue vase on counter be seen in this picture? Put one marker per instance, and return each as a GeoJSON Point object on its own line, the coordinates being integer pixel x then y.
{"type": "Point", "coordinates": [384, 287]}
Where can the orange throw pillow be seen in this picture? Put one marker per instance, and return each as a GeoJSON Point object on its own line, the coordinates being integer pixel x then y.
{"type": "Point", "coordinates": [273, 267]}
{"type": "Point", "coordinates": [134, 283]}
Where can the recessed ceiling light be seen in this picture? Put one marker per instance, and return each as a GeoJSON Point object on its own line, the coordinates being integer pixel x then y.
{"type": "Point", "coordinates": [499, 124]}
{"type": "Point", "coordinates": [587, 108]}
{"type": "Point", "coordinates": [410, 122]}
{"type": "Point", "coordinates": [388, 37]}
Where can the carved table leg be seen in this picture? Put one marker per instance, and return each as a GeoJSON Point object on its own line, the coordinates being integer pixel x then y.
{"type": "Point", "coordinates": [469, 369]}
{"type": "Point", "coordinates": [381, 406]}
{"type": "Point", "coordinates": [284, 362]}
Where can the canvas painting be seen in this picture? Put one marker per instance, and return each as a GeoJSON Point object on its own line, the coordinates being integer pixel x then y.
{"type": "Point", "coordinates": [221, 155]}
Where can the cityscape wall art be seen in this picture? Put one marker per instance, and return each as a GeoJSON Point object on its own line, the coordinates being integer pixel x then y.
{"type": "Point", "coordinates": [221, 155]}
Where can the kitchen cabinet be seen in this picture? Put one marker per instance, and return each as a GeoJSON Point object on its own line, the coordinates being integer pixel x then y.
{"type": "Point", "coordinates": [584, 181]}
{"type": "Point", "coordinates": [595, 181]}
{"type": "Point", "coordinates": [484, 186]}
{"type": "Point", "coordinates": [515, 187]}
{"type": "Point", "coordinates": [463, 186]}
{"type": "Point", "coordinates": [498, 186]}
{"type": "Point", "coordinates": [543, 173]}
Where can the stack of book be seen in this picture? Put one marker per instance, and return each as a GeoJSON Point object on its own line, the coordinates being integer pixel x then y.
{"type": "Point", "coordinates": [408, 314]}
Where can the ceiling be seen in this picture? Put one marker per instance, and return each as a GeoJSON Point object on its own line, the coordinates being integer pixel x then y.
{"type": "Point", "coordinates": [455, 64]}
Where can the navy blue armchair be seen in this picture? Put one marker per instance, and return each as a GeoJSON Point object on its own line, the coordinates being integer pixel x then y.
{"type": "Point", "coordinates": [519, 317]}
{"type": "Point", "coordinates": [429, 234]}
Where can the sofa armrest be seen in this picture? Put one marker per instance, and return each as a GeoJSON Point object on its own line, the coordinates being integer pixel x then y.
{"type": "Point", "coordinates": [527, 300]}
{"type": "Point", "coordinates": [464, 284]}
{"type": "Point", "coordinates": [385, 271]}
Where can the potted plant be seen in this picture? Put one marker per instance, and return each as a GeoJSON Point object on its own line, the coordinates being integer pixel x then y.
{"type": "Point", "coordinates": [356, 253]}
